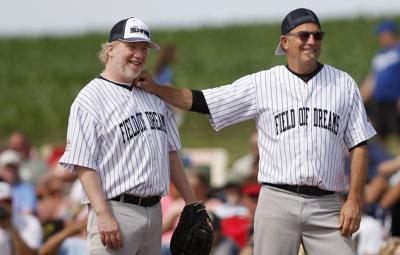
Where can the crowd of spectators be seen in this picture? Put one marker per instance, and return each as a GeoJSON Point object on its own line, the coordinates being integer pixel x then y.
{"type": "Point", "coordinates": [40, 212]}
{"type": "Point", "coordinates": [381, 93]}
{"type": "Point", "coordinates": [43, 214]}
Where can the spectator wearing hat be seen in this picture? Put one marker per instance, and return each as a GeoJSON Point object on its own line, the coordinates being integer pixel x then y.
{"type": "Point", "coordinates": [20, 234]}
{"type": "Point", "coordinates": [31, 168]}
{"type": "Point", "coordinates": [381, 88]}
{"type": "Point", "coordinates": [23, 193]}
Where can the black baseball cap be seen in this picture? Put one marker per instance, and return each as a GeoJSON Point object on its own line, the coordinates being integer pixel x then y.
{"type": "Point", "coordinates": [294, 19]}
{"type": "Point", "coordinates": [131, 30]}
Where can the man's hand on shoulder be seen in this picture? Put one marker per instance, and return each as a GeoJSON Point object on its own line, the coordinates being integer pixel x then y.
{"type": "Point", "coordinates": [181, 98]}
{"type": "Point", "coordinates": [145, 81]}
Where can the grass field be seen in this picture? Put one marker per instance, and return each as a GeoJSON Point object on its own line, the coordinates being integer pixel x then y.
{"type": "Point", "coordinates": [39, 77]}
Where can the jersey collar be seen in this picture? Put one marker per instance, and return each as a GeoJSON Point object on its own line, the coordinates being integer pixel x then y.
{"type": "Point", "coordinates": [308, 76]}
{"type": "Point", "coordinates": [125, 86]}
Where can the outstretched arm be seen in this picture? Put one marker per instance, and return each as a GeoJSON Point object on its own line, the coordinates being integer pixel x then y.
{"type": "Point", "coordinates": [185, 99]}
{"type": "Point", "coordinates": [178, 97]}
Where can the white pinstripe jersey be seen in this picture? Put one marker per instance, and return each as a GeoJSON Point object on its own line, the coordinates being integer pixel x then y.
{"type": "Point", "coordinates": [124, 134]}
{"type": "Point", "coordinates": [304, 129]}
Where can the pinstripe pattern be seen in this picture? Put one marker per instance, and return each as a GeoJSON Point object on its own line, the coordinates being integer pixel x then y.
{"type": "Point", "coordinates": [125, 135]}
{"type": "Point", "coordinates": [304, 129]}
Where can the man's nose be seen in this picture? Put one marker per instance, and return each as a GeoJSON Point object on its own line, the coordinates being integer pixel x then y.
{"type": "Point", "coordinates": [311, 39]}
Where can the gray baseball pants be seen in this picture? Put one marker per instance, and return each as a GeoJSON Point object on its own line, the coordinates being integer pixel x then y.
{"type": "Point", "coordinates": [285, 219]}
{"type": "Point", "coordinates": [140, 228]}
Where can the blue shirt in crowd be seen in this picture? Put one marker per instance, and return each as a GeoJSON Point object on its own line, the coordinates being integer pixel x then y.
{"type": "Point", "coordinates": [24, 197]}
{"type": "Point", "coordinates": [386, 66]}
{"type": "Point", "coordinates": [165, 76]}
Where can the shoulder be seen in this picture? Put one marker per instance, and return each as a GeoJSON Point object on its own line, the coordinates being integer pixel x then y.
{"type": "Point", "coordinates": [91, 97]}
{"type": "Point", "coordinates": [92, 90]}
{"type": "Point", "coordinates": [256, 77]}
{"type": "Point", "coordinates": [271, 76]}
{"type": "Point", "coordinates": [275, 70]}
{"type": "Point", "coordinates": [335, 71]}
{"type": "Point", "coordinates": [151, 98]}
{"type": "Point", "coordinates": [339, 76]}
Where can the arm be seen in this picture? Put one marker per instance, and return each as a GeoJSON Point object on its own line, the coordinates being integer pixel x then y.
{"type": "Point", "coordinates": [181, 98]}
{"type": "Point", "coordinates": [108, 227]}
{"type": "Point", "coordinates": [51, 246]}
{"type": "Point", "coordinates": [389, 167]}
{"type": "Point", "coordinates": [350, 215]}
{"type": "Point", "coordinates": [367, 87]}
{"type": "Point", "coordinates": [18, 244]}
{"type": "Point", "coordinates": [374, 189]}
{"type": "Point", "coordinates": [179, 179]}
{"type": "Point", "coordinates": [390, 197]}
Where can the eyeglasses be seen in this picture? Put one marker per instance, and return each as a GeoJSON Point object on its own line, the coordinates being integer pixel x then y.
{"type": "Point", "coordinates": [304, 35]}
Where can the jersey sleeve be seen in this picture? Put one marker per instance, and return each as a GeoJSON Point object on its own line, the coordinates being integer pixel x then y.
{"type": "Point", "coordinates": [82, 140]}
{"type": "Point", "coordinates": [232, 103]}
{"type": "Point", "coordinates": [174, 142]}
{"type": "Point", "coordinates": [359, 128]}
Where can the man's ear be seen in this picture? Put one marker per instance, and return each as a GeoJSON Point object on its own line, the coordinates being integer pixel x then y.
{"type": "Point", "coordinates": [284, 42]}
{"type": "Point", "coordinates": [111, 49]}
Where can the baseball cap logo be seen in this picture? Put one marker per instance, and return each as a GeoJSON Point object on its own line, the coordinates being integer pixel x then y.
{"type": "Point", "coordinates": [139, 30]}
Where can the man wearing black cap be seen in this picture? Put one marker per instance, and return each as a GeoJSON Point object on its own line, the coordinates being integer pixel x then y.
{"type": "Point", "coordinates": [308, 114]}
{"type": "Point", "coordinates": [122, 144]}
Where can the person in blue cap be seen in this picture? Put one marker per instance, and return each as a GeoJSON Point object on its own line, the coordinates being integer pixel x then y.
{"type": "Point", "coordinates": [382, 86]}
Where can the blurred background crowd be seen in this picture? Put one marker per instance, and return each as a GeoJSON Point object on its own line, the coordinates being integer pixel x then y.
{"type": "Point", "coordinates": [40, 210]}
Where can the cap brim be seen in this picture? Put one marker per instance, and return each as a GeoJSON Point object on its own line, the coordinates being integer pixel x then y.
{"type": "Point", "coordinates": [279, 50]}
{"type": "Point", "coordinates": [152, 44]}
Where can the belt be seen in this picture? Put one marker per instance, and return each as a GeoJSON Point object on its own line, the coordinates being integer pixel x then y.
{"type": "Point", "coordinates": [301, 189]}
{"type": "Point", "coordinates": [141, 201]}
